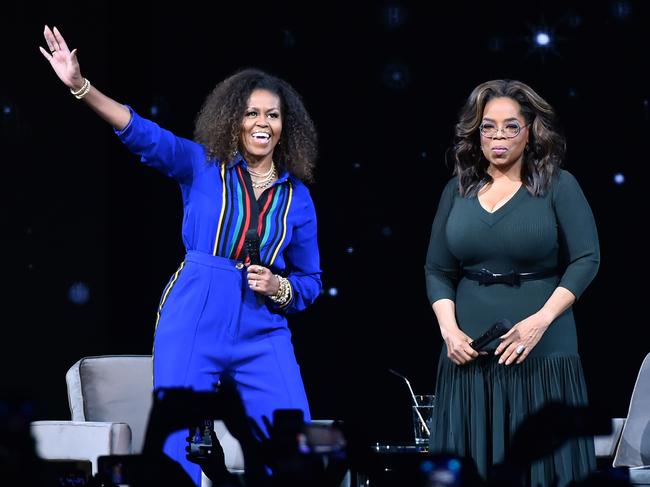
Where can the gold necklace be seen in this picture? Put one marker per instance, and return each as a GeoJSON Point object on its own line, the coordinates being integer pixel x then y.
{"type": "Point", "coordinates": [260, 175]}
{"type": "Point", "coordinates": [266, 181]}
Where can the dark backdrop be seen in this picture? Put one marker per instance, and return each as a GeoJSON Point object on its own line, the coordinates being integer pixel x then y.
{"type": "Point", "coordinates": [384, 83]}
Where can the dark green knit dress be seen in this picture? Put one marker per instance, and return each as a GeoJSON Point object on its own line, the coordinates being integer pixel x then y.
{"type": "Point", "coordinates": [480, 405]}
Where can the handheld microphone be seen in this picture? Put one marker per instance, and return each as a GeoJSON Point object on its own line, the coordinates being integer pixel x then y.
{"type": "Point", "coordinates": [252, 244]}
{"type": "Point", "coordinates": [495, 331]}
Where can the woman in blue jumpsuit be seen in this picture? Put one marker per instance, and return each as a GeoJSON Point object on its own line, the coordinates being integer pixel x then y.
{"type": "Point", "coordinates": [242, 177]}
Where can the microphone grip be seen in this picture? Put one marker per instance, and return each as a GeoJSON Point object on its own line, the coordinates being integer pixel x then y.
{"type": "Point", "coordinates": [252, 244]}
{"type": "Point", "coordinates": [495, 331]}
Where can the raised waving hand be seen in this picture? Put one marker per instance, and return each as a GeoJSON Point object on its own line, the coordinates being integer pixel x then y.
{"type": "Point", "coordinates": [63, 61]}
{"type": "Point", "coordinates": [65, 65]}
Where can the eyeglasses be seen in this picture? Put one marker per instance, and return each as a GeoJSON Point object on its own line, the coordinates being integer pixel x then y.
{"type": "Point", "coordinates": [509, 131]}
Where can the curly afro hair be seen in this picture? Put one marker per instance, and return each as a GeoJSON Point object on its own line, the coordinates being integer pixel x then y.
{"type": "Point", "coordinates": [218, 123]}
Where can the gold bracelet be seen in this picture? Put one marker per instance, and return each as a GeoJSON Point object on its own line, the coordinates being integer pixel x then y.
{"type": "Point", "coordinates": [83, 87]}
{"type": "Point", "coordinates": [284, 294]}
{"type": "Point", "coordinates": [83, 91]}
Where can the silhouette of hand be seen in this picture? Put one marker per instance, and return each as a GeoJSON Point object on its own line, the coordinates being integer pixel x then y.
{"type": "Point", "coordinates": [233, 413]}
{"type": "Point", "coordinates": [174, 409]}
{"type": "Point", "coordinates": [213, 462]}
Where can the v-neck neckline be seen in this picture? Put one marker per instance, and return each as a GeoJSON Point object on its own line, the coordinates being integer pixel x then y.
{"type": "Point", "coordinates": [493, 217]}
{"type": "Point", "coordinates": [511, 197]}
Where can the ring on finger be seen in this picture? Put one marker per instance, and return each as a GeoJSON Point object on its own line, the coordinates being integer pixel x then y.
{"type": "Point", "coordinates": [520, 349]}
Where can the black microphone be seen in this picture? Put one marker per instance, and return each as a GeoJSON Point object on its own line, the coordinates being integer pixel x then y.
{"type": "Point", "coordinates": [495, 331]}
{"type": "Point", "coordinates": [252, 244]}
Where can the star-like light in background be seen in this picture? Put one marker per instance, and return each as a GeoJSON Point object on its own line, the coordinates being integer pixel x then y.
{"type": "Point", "coordinates": [79, 293]}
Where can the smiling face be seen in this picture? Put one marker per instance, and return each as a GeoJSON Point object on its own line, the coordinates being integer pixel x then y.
{"type": "Point", "coordinates": [501, 150]}
{"type": "Point", "coordinates": [261, 127]}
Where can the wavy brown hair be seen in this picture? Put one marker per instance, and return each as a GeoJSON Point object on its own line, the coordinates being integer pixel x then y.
{"type": "Point", "coordinates": [218, 123]}
{"type": "Point", "coordinates": [542, 157]}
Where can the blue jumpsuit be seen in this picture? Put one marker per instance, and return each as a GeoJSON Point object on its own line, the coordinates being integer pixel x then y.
{"type": "Point", "coordinates": [209, 321]}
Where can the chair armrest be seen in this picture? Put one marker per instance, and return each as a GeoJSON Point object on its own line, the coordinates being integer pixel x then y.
{"type": "Point", "coordinates": [606, 444]}
{"type": "Point", "coordinates": [639, 475]}
{"type": "Point", "coordinates": [233, 455]}
{"type": "Point", "coordinates": [80, 440]}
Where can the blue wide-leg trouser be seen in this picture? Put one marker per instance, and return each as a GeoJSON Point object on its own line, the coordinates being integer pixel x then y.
{"type": "Point", "coordinates": [210, 324]}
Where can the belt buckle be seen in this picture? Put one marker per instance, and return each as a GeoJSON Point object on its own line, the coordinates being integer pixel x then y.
{"type": "Point", "coordinates": [510, 278]}
{"type": "Point", "coordinates": [485, 277]}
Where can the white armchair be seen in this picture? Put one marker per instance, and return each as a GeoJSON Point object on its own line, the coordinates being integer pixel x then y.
{"type": "Point", "coordinates": [110, 398]}
{"type": "Point", "coordinates": [633, 449]}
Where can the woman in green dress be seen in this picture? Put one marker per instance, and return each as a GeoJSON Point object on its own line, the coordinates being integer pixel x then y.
{"type": "Point", "coordinates": [513, 237]}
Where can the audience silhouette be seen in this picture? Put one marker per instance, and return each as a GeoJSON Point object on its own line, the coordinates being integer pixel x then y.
{"type": "Point", "coordinates": [287, 452]}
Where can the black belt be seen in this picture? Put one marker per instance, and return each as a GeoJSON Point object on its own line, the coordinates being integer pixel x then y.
{"type": "Point", "coordinates": [511, 278]}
